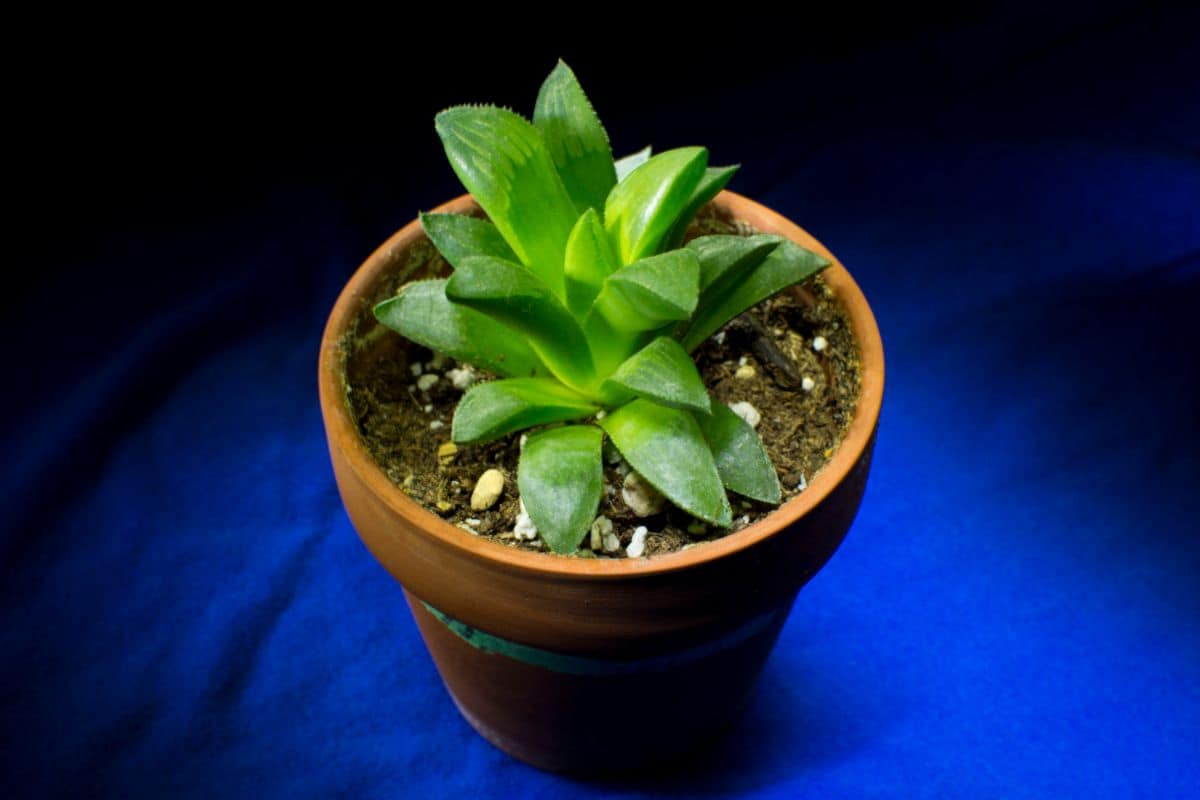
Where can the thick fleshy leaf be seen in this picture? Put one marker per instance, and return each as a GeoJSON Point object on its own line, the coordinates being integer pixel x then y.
{"type": "Point", "coordinates": [576, 139]}
{"type": "Point", "coordinates": [787, 264]}
{"type": "Point", "coordinates": [457, 236]}
{"type": "Point", "coordinates": [651, 292]}
{"type": "Point", "coordinates": [421, 312]}
{"type": "Point", "coordinates": [589, 260]}
{"type": "Point", "coordinates": [664, 372]}
{"type": "Point", "coordinates": [741, 459]}
{"type": "Point", "coordinates": [714, 180]}
{"type": "Point", "coordinates": [560, 477]}
{"type": "Point", "coordinates": [490, 410]}
{"type": "Point", "coordinates": [631, 162]}
{"type": "Point", "coordinates": [610, 347]}
{"type": "Point", "coordinates": [505, 165]}
{"type": "Point", "coordinates": [512, 295]}
{"type": "Point", "coordinates": [643, 208]}
{"type": "Point", "coordinates": [727, 258]}
{"type": "Point", "coordinates": [666, 446]}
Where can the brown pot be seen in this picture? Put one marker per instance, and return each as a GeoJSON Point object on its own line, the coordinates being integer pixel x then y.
{"type": "Point", "coordinates": [598, 664]}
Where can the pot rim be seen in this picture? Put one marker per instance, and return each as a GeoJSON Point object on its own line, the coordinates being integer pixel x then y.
{"type": "Point", "coordinates": [341, 428]}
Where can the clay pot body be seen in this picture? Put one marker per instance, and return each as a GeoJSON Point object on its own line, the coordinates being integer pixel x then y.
{"type": "Point", "coordinates": [596, 664]}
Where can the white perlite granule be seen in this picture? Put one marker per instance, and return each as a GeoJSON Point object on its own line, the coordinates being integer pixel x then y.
{"type": "Point", "coordinates": [637, 547]}
{"type": "Point", "coordinates": [524, 527]}
{"type": "Point", "coordinates": [642, 498]}
{"type": "Point", "coordinates": [462, 378]}
{"type": "Point", "coordinates": [747, 412]}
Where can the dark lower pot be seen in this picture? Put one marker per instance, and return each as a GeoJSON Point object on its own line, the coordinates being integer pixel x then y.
{"type": "Point", "coordinates": [590, 664]}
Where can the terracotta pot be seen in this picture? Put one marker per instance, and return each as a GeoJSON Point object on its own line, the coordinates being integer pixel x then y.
{"type": "Point", "coordinates": [598, 664]}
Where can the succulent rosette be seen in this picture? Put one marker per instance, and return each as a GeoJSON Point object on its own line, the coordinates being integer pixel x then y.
{"type": "Point", "coordinates": [579, 292]}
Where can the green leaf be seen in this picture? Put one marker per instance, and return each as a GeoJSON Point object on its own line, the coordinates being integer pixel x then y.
{"type": "Point", "coordinates": [575, 138]}
{"type": "Point", "coordinates": [560, 477]}
{"type": "Point", "coordinates": [610, 348]}
{"type": "Point", "coordinates": [787, 264]}
{"type": "Point", "coordinates": [457, 236]}
{"type": "Point", "coordinates": [642, 209]}
{"type": "Point", "coordinates": [667, 447]}
{"type": "Point", "coordinates": [589, 260]}
{"type": "Point", "coordinates": [651, 292]}
{"type": "Point", "coordinates": [725, 259]}
{"type": "Point", "coordinates": [490, 410]}
{"type": "Point", "coordinates": [631, 162]}
{"type": "Point", "coordinates": [421, 312]}
{"type": "Point", "coordinates": [664, 372]}
{"type": "Point", "coordinates": [741, 459]}
{"type": "Point", "coordinates": [512, 295]}
{"type": "Point", "coordinates": [505, 165]}
{"type": "Point", "coordinates": [714, 180]}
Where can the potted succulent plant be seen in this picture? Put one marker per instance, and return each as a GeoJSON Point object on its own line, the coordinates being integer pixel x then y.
{"type": "Point", "coordinates": [582, 293]}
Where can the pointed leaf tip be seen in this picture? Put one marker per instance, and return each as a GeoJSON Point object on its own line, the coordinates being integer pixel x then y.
{"type": "Point", "coordinates": [664, 372]}
{"type": "Point", "coordinates": [642, 209]}
{"type": "Point", "coordinates": [575, 138]}
{"type": "Point", "coordinates": [560, 477]}
{"type": "Point", "coordinates": [503, 162]}
{"type": "Point", "coordinates": [668, 449]}
{"type": "Point", "coordinates": [740, 456]}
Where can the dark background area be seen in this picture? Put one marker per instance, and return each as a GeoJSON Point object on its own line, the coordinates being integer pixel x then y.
{"type": "Point", "coordinates": [186, 610]}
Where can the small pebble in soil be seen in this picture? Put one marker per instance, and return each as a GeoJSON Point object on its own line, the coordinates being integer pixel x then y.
{"type": "Point", "coordinates": [747, 412]}
{"type": "Point", "coordinates": [601, 527]}
{"type": "Point", "coordinates": [488, 489]}
{"type": "Point", "coordinates": [642, 498]}
{"type": "Point", "coordinates": [437, 424]}
{"type": "Point", "coordinates": [743, 361]}
{"type": "Point", "coordinates": [446, 452]}
{"type": "Point", "coordinates": [745, 372]}
{"type": "Point", "coordinates": [719, 337]}
{"type": "Point", "coordinates": [427, 381]}
{"type": "Point", "coordinates": [819, 344]}
{"type": "Point", "coordinates": [611, 543]}
{"type": "Point", "coordinates": [524, 527]}
{"type": "Point", "coordinates": [462, 378]}
{"type": "Point", "coordinates": [416, 368]}
{"type": "Point", "coordinates": [472, 521]}
{"type": "Point", "coordinates": [637, 547]}
{"type": "Point", "coordinates": [807, 384]}
{"type": "Point", "coordinates": [427, 408]}
{"type": "Point", "coordinates": [803, 484]}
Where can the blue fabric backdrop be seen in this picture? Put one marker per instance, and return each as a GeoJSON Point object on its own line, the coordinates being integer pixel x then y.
{"type": "Point", "coordinates": [187, 612]}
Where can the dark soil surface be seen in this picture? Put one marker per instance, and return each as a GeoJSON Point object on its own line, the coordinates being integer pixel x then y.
{"type": "Point", "coordinates": [763, 357]}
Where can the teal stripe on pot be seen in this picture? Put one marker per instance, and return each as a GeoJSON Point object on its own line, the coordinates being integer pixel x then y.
{"type": "Point", "coordinates": [579, 665]}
